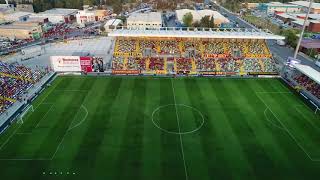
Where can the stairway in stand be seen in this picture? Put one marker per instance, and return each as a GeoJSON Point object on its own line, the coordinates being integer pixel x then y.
{"type": "Point", "coordinates": [262, 65]}
{"type": "Point", "coordinates": [147, 64]}
{"type": "Point", "coordinates": [125, 63]}
{"type": "Point", "coordinates": [194, 66]}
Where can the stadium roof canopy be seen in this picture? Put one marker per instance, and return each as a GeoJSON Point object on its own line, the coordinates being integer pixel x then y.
{"type": "Point", "coordinates": [308, 71]}
{"type": "Point", "coordinates": [214, 33]}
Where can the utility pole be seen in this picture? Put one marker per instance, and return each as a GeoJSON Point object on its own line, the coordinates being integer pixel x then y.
{"type": "Point", "coordinates": [302, 32]}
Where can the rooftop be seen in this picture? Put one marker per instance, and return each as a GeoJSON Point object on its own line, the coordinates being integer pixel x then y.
{"type": "Point", "coordinates": [197, 15]}
{"type": "Point", "coordinates": [16, 27]}
{"type": "Point", "coordinates": [309, 71]}
{"type": "Point", "coordinates": [199, 33]}
{"type": "Point", "coordinates": [306, 4]}
{"type": "Point", "coordinates": [146, 17]}
{"type": "Point", "coordinates": [18, 14]}
{"type": "Point", "coordinates": [310, 43]}
{"type": "Point", "coordinates": [59, 11]}
{"type": "Point", "coordinates": [114, 22]}
{"type": "Point", "coordinates": [281, 4]}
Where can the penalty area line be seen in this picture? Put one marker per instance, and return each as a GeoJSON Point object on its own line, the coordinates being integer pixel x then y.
{"type": "Point", "coordinates": [287, 130]}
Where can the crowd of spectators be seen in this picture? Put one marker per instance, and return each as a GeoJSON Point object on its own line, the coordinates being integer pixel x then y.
{"type": "Point", "coordinates": [213, 47]}
{"type": "Point", "coordinates": [169, 47]}
{"type": "Point", "coordinates": [15, 80]}
{"type": "Point", "coordinates": [252, 65]}
{"type": "Point", "coordinates": [256, 48]}
{"type": "Point", "coordinates": [126, 46]}
{"type": "Point", "coordinates": [308, 84]}
{"type": "Point", "coordinates": [136, 63]}
{"type": "Point", "coordinates": [148, 45]}
{"type": "Point", "coordinates": [224, 56]}
{"type": "Point", "coordinates": [156, 64]}
{"type": "Point", "coordinates": [184, 64]}
{"type": "Point", "coordinates": [207, 64]}
{"type": "Point", "coordinates": [229, 65]}
{"type": "Point", "coordinates": [118, 63]}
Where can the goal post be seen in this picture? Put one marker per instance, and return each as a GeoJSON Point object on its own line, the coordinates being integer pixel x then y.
{"type": "Point", "coordinates": [29, 109]}
{"type": "Point", "coordinates": [317, 109]}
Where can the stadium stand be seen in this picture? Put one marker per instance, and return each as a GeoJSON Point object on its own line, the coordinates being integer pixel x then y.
{"type": "Point", "coordinates": [308, 84]}
{"type": "Point", "coordinates": [15, 80]}
{"type": "Point", "coordinates": [192, 55]}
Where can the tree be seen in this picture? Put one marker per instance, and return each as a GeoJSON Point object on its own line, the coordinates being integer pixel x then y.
{"type": "Point", "coordinates": [117, 7]}
{"type": "Point", "coordinates": [212, 25]}
{"type": "Point", "coordinates": [187, 19]}
{"type": "Point", "coordinates": [205, 21]}
{"type": "Point", "coordinates": [102, 28]}
{"type": "Point", "coordinates": [291, 36]}
{"type": "Point", "coordinates": [88, 2]}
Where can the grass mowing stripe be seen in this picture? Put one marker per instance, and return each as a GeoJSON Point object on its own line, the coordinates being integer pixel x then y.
{"type": "Point", "coordinates": [172, 165]}
{"type": "Point", "coordinates": [202, 157]}
{"type": "Point", "coordinates": [234, 150]}
{"type": "Point", "coordinates": [245, 133]}
{"type": "Point", "coordinates": [97, 126]}
{"type": "Point", "coordinates": [178, 122]}
{"type": "Point", "coordinates": [220, 144]}
{"type": "Point", "coordinates": [270, 153]}
{"type": "Point", "coordinates": [151, 139]}
{"type": "Point", "coordinates": [131, 153]}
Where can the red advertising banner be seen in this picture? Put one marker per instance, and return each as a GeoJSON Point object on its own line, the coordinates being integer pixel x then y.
{"type": "Point", "coordinates": [218, 73]}
{"type": "Point", "coordinates": [125, 72]}
{"type": "Point", "coordinates": [86, 64]}
{"type": "Point", "coordinates": [215, 56]}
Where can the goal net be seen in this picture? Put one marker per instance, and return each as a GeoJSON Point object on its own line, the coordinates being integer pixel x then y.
{"type": "Point", "coordinates": [27, 111]}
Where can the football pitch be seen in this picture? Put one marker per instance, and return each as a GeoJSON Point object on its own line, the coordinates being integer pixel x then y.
{"type": "Point", "coordinates": [164, 128]}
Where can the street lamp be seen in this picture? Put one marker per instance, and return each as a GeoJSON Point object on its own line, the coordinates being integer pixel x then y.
{"type": "Point", "coordinates": [302, 32]}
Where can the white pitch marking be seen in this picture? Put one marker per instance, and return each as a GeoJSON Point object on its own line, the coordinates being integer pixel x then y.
{"type": "Point", "coordinates": [45, 115]}
{"type": "Point", "coordinates": [15, 131]}
{"type": "Point", "coordinates": [287, 130]}
{"type": "Point", "coordinates": [271, 121]}
{"type": "Point", "coordinates": [173, 132]}
{"type": "Point", "coordinates": [180, 135]}
{"type": "Point", "coordinates": [274, 92]}
{"type": "Point", "coordinates": [83, 119]}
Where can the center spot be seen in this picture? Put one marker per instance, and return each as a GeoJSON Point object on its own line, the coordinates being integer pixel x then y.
{"type": "Point", "coordinates": [177, 119]}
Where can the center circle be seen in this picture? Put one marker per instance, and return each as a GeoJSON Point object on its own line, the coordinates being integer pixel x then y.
{"type": "Point", "coordinates": [176, 113]}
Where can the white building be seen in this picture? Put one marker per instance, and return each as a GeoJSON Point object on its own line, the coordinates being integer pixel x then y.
{"type": "Point", "coordinates": [198, 15]}
{"type": "Point", "coordinates": [58, 15]}
{"type": "Point", "coordinates": [112, 24]}
{"type": "Point", "coordinates": [273, 7]}
{"type": "Point", "coordinates": [315, 9]}
{"type": "Point", "coordinates": [145, 20]}
{"type": "Point", "coordinates": [90, 15]}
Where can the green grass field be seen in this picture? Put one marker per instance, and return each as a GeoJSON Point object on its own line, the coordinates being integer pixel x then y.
{"type": "Point", "coordinates": [161, 129]}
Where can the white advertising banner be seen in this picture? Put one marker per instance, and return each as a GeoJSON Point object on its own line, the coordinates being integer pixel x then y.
{"type": "Point", "coordinates": [65, 63]}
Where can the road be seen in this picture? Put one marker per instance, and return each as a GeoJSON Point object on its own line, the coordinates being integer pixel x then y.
{"type": "Point", "coordinates": [281, 52]}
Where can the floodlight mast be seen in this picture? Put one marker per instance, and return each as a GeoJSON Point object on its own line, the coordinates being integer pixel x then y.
{"type": "Point", "coordinates": [303, 28]}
